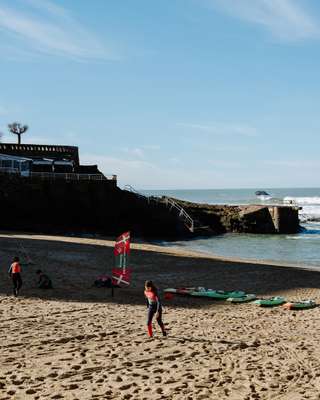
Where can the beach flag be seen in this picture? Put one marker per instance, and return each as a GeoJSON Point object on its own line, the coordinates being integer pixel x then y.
{"type": "Point", "coordinates": [122, 245]}
{"type": "Point", "coordinates": [120, 277]}
{"type": "Point", "coordinates": [121, 274]}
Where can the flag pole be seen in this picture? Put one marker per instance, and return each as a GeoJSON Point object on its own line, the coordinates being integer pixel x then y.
{"type": "Point", "coordinates": [120, 273]}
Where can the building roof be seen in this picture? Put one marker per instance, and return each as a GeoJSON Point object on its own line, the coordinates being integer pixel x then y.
{"type": "Point", "coordinates": [15, 158]}
{"type": "Point", "coordinates": [36, 151]}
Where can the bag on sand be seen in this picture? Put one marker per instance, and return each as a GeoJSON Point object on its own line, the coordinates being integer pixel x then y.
{"type": "Point", "coordinates": [103, 281]}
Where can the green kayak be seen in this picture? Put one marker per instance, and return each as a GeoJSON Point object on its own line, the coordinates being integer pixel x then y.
{"type": "Point", "coordinates": [272, 301]}
{"type": "Point", "coordinates": [299, 305]}
{"type": "Point", "coordinates": [243, 299]}
{"type": "Point", "coordinates": [218, 294]}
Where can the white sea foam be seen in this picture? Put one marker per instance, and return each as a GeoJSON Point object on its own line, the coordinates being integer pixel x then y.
{"type": "Point", "coordinates": [311, 210]}
{"type": "Point", "coordinates": [302, 200]}
{"type": "Point", "coordinates": [310, 207]}
{"type": "Point", "coordinates": [264, 197]}
{"type": "Point", "coordinates": [304, 237]}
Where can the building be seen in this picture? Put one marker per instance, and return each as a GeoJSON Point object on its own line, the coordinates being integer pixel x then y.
{"type": "Point", "coordinates": [13, 165]}
{"type": "Point", "coordinates": [47, 162]}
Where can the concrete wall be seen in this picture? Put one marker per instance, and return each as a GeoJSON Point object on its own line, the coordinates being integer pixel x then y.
{"type": "Point", "coordinates": [81, 207]}
{"type": "Point", "coordinates": [285, 218]}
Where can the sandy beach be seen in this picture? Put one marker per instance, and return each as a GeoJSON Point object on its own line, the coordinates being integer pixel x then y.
{"type": "Point", "coordinates": [77, 342]}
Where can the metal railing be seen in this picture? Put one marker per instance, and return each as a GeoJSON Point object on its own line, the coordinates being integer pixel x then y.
{"type": "Point", "coordinates": [131, 189]}
{"type": "Point", "coordinates": [8, 170]}
{"type": "Point", "coordinates": [70, 176]}
{"type": "Point", "coordinates": [182, 213]}
{"type": "Point", "coordinates": [170, 203]}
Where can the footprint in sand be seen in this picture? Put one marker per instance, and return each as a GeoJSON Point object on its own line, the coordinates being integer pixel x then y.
{"type": "Point", "coordinates": [125, 387]}
{"type": "Point", "coordinates": [127, 396]}
{"type": "Point", "coordinates": [71, 386]}
{"type": "Point", "coordinates": [157, 371]}
{"type": "Point", "coordinates": [52, 375]}
{"type": "Point", "coordinates": [170, 358]}
{"type": "Point", "coordinates": [31, 391]}
{"type": "Point", "coordinates": [128, 364]}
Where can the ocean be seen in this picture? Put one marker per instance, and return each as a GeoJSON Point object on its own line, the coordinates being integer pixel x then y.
{"type": "Point", "coordinates": [301, 249]}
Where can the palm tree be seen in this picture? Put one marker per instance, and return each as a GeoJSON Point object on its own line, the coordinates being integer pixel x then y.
{"type": "Point", "coordinates": [18, 130]}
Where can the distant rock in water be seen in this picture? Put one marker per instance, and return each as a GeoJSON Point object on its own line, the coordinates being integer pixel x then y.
{"type": "Point", "coordinates": [261, 193]}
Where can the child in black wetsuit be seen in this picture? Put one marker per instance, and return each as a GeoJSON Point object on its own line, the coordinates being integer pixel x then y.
{"type": "Point", "coordinates": [154, 307]}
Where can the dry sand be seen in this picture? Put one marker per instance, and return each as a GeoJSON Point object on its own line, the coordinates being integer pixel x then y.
{"type": "Point", "coordinates": [76, 342]}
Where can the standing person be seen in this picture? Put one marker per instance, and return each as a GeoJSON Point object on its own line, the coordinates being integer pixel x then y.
{"type": "Point", "coordinates": [154, 307]}
{"type": "Point", "coordinates": [15, 274]}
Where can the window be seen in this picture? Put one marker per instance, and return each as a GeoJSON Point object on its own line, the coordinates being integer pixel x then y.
{"type": "Point", "coordinates": [6, 163]}
{"type": "Point", "coordinates": [25, 166]}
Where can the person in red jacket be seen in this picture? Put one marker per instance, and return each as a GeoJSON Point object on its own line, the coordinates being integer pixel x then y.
{"type": "Point", "coordinates": [154, 307]}
{"type": "Point", "coordinates": [15, 274]}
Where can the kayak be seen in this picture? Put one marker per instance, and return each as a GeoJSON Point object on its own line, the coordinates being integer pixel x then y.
{"type": "Point", "coordinates": [299, 305]}
{"type": "Point", "coordinates": [272, 301]}
{"type": "Point", "coordinates": [243, 299]}
{"type": "Point", "coordinates": [185, 291]}
{"type": "Point", "coordinates": [203, 292]}
{"type": "Point", "coordinates": [218, 294]}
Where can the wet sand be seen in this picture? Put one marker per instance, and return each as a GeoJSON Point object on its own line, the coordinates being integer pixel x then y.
{"type": "Point", "coordinates": [77, 342]}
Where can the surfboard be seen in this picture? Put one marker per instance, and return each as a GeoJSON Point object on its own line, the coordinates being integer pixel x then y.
{"type": "Point", "coordinates": [243, 299]}
{"type": "Point", "coordinates": [299, 305]}
{"type": "Point", "coordinates": [184, 291]}
{"type": "Point", "coordinates": [203, 292]}
{"type": "Point", "coordinates": [218, 294]}
{"type": "Point", "coordinates": [270, 302]}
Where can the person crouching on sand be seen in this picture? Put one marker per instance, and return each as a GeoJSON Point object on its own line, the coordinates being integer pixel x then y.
{"type": "Point", "coordinates": [15, 274]}
{"type": "Point", "coordinates": [44, 281]}
{"type": "Point", "coordinates": [154, 307]}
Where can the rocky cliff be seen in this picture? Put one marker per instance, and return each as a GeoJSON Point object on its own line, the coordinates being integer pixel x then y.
{"type": "Point", "coordinates": [243, 218]}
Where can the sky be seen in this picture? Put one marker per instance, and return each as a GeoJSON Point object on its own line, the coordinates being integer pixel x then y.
{"type": "Point", "coordinates": [169, 94]}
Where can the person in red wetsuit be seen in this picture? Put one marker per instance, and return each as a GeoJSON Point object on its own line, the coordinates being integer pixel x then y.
{"type": "Point", "coordinates": [154, 307]}
{"type": "Point", "coordinates": [15, 274]}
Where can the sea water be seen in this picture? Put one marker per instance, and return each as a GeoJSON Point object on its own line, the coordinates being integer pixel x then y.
{"type": "Point", "coordinates": [302, 248]}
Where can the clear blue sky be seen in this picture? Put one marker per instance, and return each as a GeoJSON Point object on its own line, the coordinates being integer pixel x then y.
{"type": "Point", "coordinates": [170, 93]}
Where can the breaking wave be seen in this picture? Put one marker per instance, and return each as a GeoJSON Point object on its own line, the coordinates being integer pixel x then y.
{"type": "Point", "coordinates": [302, 200]}
{"type": "Point", "coordinates": [310, 207]}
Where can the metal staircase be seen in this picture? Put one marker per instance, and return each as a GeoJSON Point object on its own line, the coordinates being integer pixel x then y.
{"type": "Point", "coordinates": [183, 215]}
{"type": "Point", "coordinates": [170, 204]}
